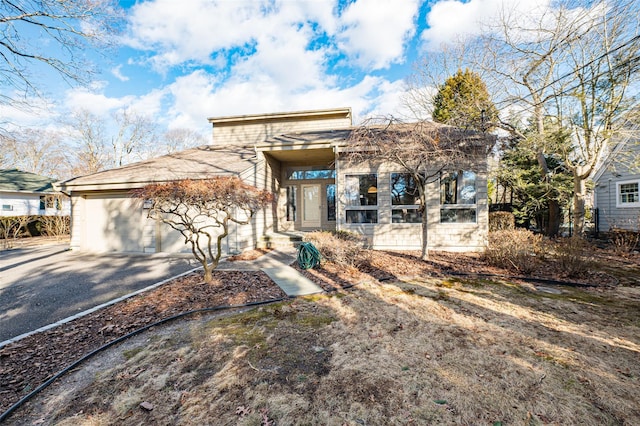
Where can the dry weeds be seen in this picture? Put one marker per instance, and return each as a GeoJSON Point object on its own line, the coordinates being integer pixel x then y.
{"type": "Point", "coordinates": [402, 352]}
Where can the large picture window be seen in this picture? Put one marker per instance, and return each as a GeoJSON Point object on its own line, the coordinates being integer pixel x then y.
{"type": "Point", "coordinates": [361, 194]}
{"type": "Point", "coordinates": [628, 194]}
{"type": "Point", "coordinates": [405, 199]}
{"type": "Point", "coordinates": [458, 197]}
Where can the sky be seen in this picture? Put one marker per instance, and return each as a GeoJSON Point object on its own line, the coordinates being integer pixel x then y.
{"type": "Point", "coordinates": [181, 62]}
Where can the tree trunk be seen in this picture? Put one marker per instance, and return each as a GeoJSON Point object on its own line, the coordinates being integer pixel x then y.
{"type": "Point", "coordinates": [553, 225]}
{"type": "Point", "coordinates": [579, 195]}
{"type": "Point", "coordinates": [425, 233]}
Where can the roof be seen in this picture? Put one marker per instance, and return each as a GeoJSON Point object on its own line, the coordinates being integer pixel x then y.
{"type": "Point", "coordinates": [195, 163]}
{"type": "Point", "coordinates": [14, 180]}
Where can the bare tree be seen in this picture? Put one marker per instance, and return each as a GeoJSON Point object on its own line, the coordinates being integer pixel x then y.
{"type": "Point", "coordinates": [133, 138]}
{"type": "Point", "coordinates": [175, 140]}
{"type": "Point", "coordinates": [572, 67]}
{"type": "Point", "coordinates": [36, 151]}
{"type": "Point", "coordinates": [88, 135]}
{"type": "Point", "coordinates": [422, 149]}
{"type": "Point", "coordinates": [201, 210]}
{"type": "Point", "coordinates": [102, 143]}
{"type": "Point", "coordinates": [53, 34]}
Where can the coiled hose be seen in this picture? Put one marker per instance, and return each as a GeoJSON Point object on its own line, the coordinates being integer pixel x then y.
{"type": "Point", "coordinates": [308, 256]}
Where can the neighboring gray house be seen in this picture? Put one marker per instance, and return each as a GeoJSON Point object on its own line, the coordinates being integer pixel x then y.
{"type": "Point", "coordinates": [298, 157]}
{"type": "Point", "coordinates": [617, 187]}
{"type": "Point", "coordinates": [29, 194]}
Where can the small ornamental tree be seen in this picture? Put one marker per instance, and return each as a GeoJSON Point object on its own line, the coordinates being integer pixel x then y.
{"type": "Point", "coordinates": [201, 210]}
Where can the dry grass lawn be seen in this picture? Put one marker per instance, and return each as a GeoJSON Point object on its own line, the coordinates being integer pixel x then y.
{"type": "Point", "coordinates": [403, 352]}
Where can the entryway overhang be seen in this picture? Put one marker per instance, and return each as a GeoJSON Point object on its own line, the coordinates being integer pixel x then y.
{"type": "Point", "coordinates": [320, 154]}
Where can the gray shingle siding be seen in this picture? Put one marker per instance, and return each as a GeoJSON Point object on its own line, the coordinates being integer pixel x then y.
{"type": "Point", "coordinates": [622, 166]}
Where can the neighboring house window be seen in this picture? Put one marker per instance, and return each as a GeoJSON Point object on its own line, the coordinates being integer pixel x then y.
{"type": "Point", "coordinates": [361, 193]}
{"type": "Point", "coordinates": [7, 207]}
{"type": "Point", "coordinates": [458, 197]}
{"type": "Point", "coordinates": [291, 203]}
{"type": "Point", "coordinates": [405, 199]}
{"type": "Point", "coordinates": [49, 202]}
{"type": "Point", "coordinates": [331, 202]}
{"type": "Point", "coordinates": [628, 194]}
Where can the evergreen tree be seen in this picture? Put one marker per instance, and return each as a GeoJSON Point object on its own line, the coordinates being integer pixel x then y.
{"type": "Point", "coordinates": [463, 101]}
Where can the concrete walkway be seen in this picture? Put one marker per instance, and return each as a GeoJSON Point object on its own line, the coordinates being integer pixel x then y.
{"type": "Point", "coordinates": [276, 265]}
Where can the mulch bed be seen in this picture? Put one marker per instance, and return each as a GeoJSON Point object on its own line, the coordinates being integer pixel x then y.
{"type": "Point", "coordinates": [26, 364]}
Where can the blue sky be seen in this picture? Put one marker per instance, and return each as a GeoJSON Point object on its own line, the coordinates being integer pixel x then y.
{"type": "Point", "coordinates": [181, 62]}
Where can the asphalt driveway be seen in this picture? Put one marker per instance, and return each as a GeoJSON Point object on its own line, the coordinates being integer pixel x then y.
{"type": "Point", "coordinates": [45, 284]}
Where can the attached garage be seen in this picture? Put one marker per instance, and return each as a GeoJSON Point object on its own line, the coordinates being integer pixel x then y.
{"type": "Point", "coordinates": [105, 218]}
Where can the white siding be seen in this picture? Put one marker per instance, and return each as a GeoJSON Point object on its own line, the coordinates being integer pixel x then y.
{"type": "Point", "coordinates": [27, 203]}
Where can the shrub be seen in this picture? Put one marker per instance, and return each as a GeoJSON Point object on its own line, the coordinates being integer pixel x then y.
{"type": "Point", "coordinates": [517, 250]}
{"type": "Point", "coordinates": [499, 221]}
{"type": "Point", "coordinates": [572, 255]}
{"type": "Point", "coordinates": [624, 241]}
{"type": "Point", "coordinates": [342, 248]}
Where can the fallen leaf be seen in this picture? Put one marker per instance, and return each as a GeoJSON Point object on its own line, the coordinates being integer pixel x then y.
{"type": "Point", "coordinates": [147, 406]}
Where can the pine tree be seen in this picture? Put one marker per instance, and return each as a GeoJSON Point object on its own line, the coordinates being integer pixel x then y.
{"type": "Point", "coordinates": [463, 101]}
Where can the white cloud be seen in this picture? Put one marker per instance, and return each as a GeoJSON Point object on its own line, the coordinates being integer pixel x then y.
{"type": "Point", "coordinates": [452, 20]}
{"type": "Point", "coordinates": [197, 96]}
{"type": "Point", "coordinates": [375, 31]}
{"type": "Point", "coordinates": [94, 101]}
{"type": "Point", "coordinates": [197, 30]}
{"type": "Point", "coordinates": [117, 73]}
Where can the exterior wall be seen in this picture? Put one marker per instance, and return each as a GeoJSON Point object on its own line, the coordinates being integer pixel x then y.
{"type": "Point", "coordinates": [623, 167]}
{"type": "Point", "coordinates": [250, 130]}
{"type": "Point", "coordinates": [28, 203]}
{"type": "Point", "coordinates": [112, 221]}
{"type": "Point", "coordinates": [408, 236]}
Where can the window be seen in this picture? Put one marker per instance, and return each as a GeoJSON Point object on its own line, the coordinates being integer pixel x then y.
{"type": "Point", "coordinates": [361, 194]}
{"type": "Point", "coordinates": [291, 203]}
{"type": "Point", "coordinates": [331, 202]}
{"type": "Point", "coordinates": [458, 197]}
{"type": "Point", "coordinates": [42, 202]}
{"type": "Point", "coordinates": [628, 194]}
{"type": "Point", "coordinates": [300, 174]}
{"type": "Point", "coordinates": [7, 207]}
{"type": "Point", "coordinates": [405, 199]}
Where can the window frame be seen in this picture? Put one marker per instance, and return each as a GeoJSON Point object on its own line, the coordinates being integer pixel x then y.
{"type": "Point", "coordinates": [291, 203]}
{"type": "Point", "coordinates": [626, 204]}
{"type": "Point", "coordinates": [405, 207]}
{"type": "Point", "coordinates": [365, 208]}
{"type": "Point", "coordinates": [458, 205]}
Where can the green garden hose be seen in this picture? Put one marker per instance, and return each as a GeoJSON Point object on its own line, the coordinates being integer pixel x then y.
{"type": "Point", "coordinates": [308, 256]}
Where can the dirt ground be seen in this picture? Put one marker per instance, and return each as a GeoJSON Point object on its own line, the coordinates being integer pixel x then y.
{"type": "Point", "coordinates": [412, 342]}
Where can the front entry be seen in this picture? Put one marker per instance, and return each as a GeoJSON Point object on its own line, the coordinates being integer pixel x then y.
{"type": "Point", "coordinates": [311, 206]}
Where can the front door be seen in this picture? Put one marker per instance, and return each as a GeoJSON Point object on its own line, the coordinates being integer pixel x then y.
{"type": "Point", "coordinates": [310, 206]}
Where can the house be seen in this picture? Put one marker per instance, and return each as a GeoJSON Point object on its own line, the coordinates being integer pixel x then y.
{"type": "Point", "coordinates": [29, 194]}
{"type": "Point", "coordinates": [300, 157]}
{"type": "Point", "coordinates": [617, 187]}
